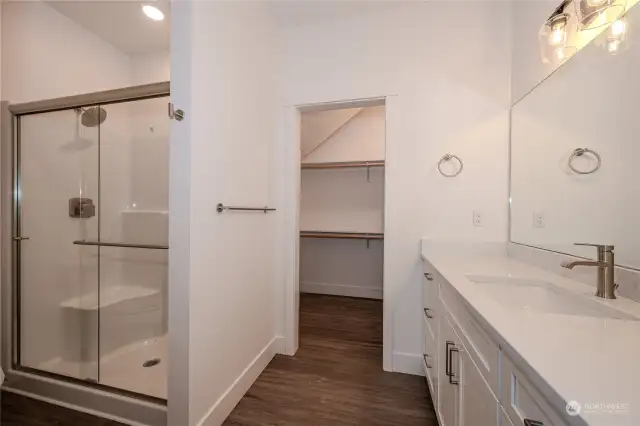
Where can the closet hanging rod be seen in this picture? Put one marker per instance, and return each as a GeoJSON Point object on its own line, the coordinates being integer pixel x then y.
{"type": "Point", "coordinates": [342, 235]}
{"type": "Point", "coordinates": [343, 165]}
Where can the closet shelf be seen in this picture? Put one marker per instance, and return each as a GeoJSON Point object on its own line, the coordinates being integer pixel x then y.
{"type": "Point", "coordinates": [342, 235]}
{"type": "Point", "coordinates": [343, 165]}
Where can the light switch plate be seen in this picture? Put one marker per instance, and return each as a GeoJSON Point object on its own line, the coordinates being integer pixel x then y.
{"type": "Point", "coordinates": [477, 219]}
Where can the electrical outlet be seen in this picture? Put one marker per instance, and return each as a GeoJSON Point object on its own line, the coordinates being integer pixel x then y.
{"type": "Point", "coordinates": [538, 220]}
{"type": "Point", "coordinates": [477, 219]}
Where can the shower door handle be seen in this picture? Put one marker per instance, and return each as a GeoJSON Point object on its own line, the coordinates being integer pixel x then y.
{"type": "Point", "coordinates": [20, 238]}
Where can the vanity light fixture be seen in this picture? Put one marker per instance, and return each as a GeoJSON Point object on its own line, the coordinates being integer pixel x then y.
{"type": "Point", "coordinates": [553, 36]}
{"type": "Point", "coordinates": [557, 26]}
{"type": "Point", "coordinates": [619, 27]}
{"type": "Point", "coordinates": [152, 12]}
{"type": "Point", "coordinates": [596, 13]}
{"type": "Point", "coordinates": [616, 36]}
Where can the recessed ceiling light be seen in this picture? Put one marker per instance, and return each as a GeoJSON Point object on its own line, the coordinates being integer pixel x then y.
{"type": "Point", "coordinates": [153, 12]}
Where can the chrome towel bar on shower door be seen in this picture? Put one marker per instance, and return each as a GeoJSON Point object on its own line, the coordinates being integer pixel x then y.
{"type": "Point", "coordinates": [122, 245]}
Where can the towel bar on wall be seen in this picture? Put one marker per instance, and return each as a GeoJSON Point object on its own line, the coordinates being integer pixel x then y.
{"type": "Point", "coordinates": [446, 158]}
{"type": "Point", "coordinates": [221, 207]}
{"type": "Point", "coordinates": [579, 152]}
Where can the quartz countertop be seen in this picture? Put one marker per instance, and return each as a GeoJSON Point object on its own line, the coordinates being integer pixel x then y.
{"type": "Point", "coordinates": [594, 361]}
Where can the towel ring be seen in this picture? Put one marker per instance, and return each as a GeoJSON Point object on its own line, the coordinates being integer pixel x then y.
{"type": "Point", "coordinates": [579, 152]}
{"type": "Point", "coordinates": [449, 157]}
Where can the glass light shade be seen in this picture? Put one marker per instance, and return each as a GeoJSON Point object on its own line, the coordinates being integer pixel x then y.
{"type": "Point", "coordinates": [593, 14]}
{"type": "Point", "coordinates": [552, 38]}
{"type": "Point", "coordinates": [616, 36]}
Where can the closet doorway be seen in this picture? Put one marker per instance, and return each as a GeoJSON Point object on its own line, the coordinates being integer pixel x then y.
{"type": "Point", "coordinates": [341, 222]}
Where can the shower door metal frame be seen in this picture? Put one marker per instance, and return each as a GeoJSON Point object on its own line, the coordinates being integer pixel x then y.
{"type": "Point", "coordinates": [114, 402]}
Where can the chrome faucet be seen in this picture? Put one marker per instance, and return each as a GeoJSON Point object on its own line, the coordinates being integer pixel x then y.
{"type": "Point", "coordinates": [606, 269]}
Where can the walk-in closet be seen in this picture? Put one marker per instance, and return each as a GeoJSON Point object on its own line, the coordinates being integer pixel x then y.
{"type": "Point", "coordinates": [342, 231]}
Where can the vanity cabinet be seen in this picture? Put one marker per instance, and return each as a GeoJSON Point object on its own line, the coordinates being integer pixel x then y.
{"type": "Point", "coordinates": [461, 363]}
{"type": "Point", "coordinates": [465, 397]}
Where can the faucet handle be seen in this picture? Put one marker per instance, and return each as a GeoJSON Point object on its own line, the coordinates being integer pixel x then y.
{"type": "Point", "coordinates": [604, 247]}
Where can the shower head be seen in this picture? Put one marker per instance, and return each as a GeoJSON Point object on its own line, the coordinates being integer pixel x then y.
{"type": "Point", "coordinates": [92, 117]}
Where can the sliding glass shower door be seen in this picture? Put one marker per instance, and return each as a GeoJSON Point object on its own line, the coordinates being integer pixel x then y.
{"type": "Point", "coordinates": [58, 163]}
{"type": "Point", "coordinates": [91, 225]}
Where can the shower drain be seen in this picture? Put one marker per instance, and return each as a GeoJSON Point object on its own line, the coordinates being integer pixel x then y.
{"type": "Point", "coordinates": [151, 362]}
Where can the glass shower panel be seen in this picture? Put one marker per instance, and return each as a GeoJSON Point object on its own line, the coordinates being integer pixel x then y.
{"type": "Point", "coordinates": [134, 184]}
{"type": "Point", "coordinates": [57, 178]}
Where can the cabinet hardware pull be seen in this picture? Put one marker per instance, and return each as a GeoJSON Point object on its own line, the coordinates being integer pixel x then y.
{"type": "Point", "coordinates": [529, 422]}
{"type": "Point", "coordinates": [425, 360]}
{"type": "Point", "coordinates": [451, 376]}
{"type": "Point", "coordinates": [426, 313]}
{"type": "Point", "coordinates": [447, 358]}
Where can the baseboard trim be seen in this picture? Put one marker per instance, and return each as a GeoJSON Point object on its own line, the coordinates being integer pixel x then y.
{"type": "Point", "coordinates": [341, 290]}
{"type": "Point", "coordinates": [408, 363]}
{"type": "Point", "coordinates": [227, 402]}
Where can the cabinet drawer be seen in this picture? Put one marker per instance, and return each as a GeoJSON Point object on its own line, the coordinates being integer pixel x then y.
{"type": "Point", "coordinates": [430, 291]}
{"type": "Point", "coordinates": [521, 400]}
{"type": "Point", "coordinates": [429, 348]}
{"type": "Point", "coordinates": [482, 349]}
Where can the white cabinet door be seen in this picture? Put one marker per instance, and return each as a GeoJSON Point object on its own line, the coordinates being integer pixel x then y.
{"type": "Point", "coordinates": [478, 405]}
{"type": "Point", "coordinates": [448, 396]}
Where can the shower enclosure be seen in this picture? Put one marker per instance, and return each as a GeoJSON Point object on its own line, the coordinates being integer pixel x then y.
{"type": "Point", "coordinates": [88, 250]}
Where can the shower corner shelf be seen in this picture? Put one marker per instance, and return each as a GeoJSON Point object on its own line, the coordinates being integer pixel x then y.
{"type": "Point", "coordinates": [342, 235]}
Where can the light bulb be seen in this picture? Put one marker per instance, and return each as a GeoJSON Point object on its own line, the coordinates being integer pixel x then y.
{"type": "Point", "coordinates": [618, 27]}
{"type": "Point", "coordinates": [613, 46]}
{"type": "Point", "coordinates": [557, 36]}
{"type": "Point", "coordinates": [152, 12]}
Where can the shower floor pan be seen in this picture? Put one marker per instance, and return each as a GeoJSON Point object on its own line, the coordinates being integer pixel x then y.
{"type": "Point", "coordinates": [125, 368]}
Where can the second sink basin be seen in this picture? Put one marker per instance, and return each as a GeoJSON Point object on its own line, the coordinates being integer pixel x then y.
{"type": "Point", "coordinates": [543, 296]}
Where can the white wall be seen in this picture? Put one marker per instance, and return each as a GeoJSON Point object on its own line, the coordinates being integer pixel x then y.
{"type": "Point", "coordinates": [47, 55]}
{"type": "Point", "coordinates": [444, 68]}
{"type": "Point", "coordinates": [359, 139]}
{"type": "Point", "coordinates": [317, 126]}
{"type": "Point", "coordinates": [150, 68]}
{"type": "Point", "coordinates": [224, 78]}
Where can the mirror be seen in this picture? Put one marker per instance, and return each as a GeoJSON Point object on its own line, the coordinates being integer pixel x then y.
{"type": "Point", "coordinates": [560, 193]}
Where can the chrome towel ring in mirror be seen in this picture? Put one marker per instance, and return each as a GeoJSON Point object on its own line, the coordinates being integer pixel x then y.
{"type": "Point", "coordinates": [579, 152]}
{"type": "Point", "coordinates": [450, 157]}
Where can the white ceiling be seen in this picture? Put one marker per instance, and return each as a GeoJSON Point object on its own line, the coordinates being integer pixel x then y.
{"type": "Point", "coordinates": [121, 23]}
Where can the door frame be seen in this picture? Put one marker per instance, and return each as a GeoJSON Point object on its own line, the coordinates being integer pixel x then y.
{"type": "Point", "coordinates": [289, 183]}
{"type": "Point", "coordinates": [80, 394]}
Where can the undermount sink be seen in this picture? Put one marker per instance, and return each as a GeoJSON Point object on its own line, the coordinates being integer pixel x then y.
{"type": "Point", "coordinates": [543, 296]}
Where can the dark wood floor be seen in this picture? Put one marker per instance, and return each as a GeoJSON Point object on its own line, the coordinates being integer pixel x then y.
{"type": "Point", "coordinates": [336, 377]}
{"type": "Point", "coordinates": [21, 411]}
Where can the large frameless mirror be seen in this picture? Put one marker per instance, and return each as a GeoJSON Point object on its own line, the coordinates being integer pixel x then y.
{"type": "Point", "coordinates": [574, 150]}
